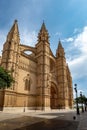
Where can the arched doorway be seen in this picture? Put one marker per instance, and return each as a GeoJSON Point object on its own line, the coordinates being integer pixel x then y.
{"type": "Point", "coordinates": [53, 97]}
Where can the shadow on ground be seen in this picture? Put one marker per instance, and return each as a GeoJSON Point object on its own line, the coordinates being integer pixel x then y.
{"type": "Point", "coordinates": [36, 123]}
{"type": "Point", "coordinates": [52, 124]}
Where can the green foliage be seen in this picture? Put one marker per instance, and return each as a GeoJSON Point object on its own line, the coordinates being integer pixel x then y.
{"type": "Point", "coordinates": [5, 78]}
{"type": "Point", "coordinates": [80, 99]}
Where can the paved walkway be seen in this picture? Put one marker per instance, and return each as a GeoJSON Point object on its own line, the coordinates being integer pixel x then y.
{"type": "Point", "coordinates": [82, 121]}
{"type": "Point", "coordinates": [38, 120]}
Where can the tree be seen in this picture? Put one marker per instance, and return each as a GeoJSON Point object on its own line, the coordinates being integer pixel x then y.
{"type": "Point", "coordinates": [82, 99]}
{"type": "Point", "coordinates": [5, 78]}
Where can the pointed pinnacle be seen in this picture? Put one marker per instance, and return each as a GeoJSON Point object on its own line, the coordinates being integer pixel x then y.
{"type": "Point", "coordinates": [43, 27]}
{"type": "Point", "coordinates": [13, 31]}
{"type": "Point", "coordinates": [60, 44]}
{"type": "Point", "coordinates": [15, 21]}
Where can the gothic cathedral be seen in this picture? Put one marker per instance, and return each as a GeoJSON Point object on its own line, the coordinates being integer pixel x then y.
{"type": "Point", "coordinates": [42, 81]}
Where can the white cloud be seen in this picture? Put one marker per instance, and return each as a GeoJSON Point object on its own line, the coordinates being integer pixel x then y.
{"type": "Point", "coordinates": [70, 39]}
{"type": "Point", "coordinates": [76, 30]}
{"type": "Point", "coordinates": [28, 38]}
{"type": "Point", "coordinates": [58, 34]}
{"type": "Point", "coordinates": [81, 41]}
{"type": "Point", "coordinates": [2, 40]}
{"type": "Point", "coordinates": [78, 67]}
{"type": "Point", "coordinates": [78, 50]}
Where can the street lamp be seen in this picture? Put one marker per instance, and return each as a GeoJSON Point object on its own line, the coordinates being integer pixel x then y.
{"type": "Point", "coordinates": [77, 107]}
{"type": "Point", "coordinates": [24, 106]}
{"type": "Point", "coordinates": [85, 104]}
{"type": "Point", "coordinates": [81, 101]}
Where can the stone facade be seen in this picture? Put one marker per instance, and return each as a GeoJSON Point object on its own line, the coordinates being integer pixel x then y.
{"type": "Point", "coordinates": [42, 80]}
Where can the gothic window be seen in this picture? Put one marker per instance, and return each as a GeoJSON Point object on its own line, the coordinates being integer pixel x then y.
{"type": "Point", "coordinates": [27, 81]}
{"type": "Point", "coordinates": [27, 84]}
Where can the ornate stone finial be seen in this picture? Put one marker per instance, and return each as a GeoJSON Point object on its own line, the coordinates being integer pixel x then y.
{"type": "Point", "coordinates": [14, 33]}
{"type": "Point", "coordinates": [43, 27]}
{"type": "Point", "coordinates": [15, 21]}
{"type": "Point", "coordinates": [60, 49]}
{"type": "Point", "coordinates": [43, 34]}
{"type": "Point", "coordinates": [59, 44]}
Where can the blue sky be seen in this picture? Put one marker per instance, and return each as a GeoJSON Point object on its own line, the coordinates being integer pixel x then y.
{"type": "Point", "coordinates": [64, 19]}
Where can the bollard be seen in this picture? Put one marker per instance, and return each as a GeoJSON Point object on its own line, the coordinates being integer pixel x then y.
{"type": "Point", "coordinates": [74, 117]}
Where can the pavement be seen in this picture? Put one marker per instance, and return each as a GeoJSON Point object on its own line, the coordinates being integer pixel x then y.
{"type": "Point", "coordinates": [43, 120]}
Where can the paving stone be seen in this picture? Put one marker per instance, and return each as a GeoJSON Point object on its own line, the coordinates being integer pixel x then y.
{"type": "Point", "coordinates": [52, 120]}
{"type": "Point", "coordinates": [52, 124]}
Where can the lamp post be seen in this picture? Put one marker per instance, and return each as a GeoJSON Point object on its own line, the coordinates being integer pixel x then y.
{"type": "Point", "coordinates": [86, 104]}
{"type": "Point", "coordinates": [24, 107]}
{"type": "Point", "coordinates": [81, 101]}
{"type": "Point", "coordinates": [77, 107]}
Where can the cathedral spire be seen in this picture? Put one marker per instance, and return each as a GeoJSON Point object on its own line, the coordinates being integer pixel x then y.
{"type": "Point", "coordinates": [14, 33]}
{"type": "Point", "coordinates": [60, 50]}
{"type": "Point", "coordinates": [60, 44]}
{"type": "Point", "coordinates": [43, 27]}
{"type": "Point", "coordinates": [43, 34]}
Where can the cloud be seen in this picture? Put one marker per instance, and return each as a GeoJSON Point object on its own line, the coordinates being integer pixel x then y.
{"type": "Point", "coordinates": [28, 38]}
{"type": "Point", "coordinates": [58, 34]}
{"type": "Point", "coordinates": [78, 50]}
{"type": "Point", "coordinates": [2, 40]}
{"type": "Point", "coordinates": [70, 39]}
{"type": "Point", "coordinates": [78, 67]}
{"type": "Point", "coordinates": [81, 41]}
{"type": "Point", "coordinates": [77, 30]}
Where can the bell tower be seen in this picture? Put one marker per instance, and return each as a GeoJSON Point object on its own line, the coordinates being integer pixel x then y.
{"type": "Point", "coordinates": [61, 76]}
{"type": "Point", "coordinates": [43, 68]}
{"type": "Point", "coordinates": [10, 53]}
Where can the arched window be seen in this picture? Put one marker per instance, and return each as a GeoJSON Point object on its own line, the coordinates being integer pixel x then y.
{"type": "Point", "coordinates": [27, 83]}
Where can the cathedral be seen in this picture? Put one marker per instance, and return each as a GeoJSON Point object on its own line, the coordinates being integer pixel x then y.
{"type": "Point", "coordinates": [42, 81]}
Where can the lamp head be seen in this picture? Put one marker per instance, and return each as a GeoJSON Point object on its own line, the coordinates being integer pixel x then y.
{"type": "Point", "coordinates": [80, 93]}
{"type": "Point", "coordinates": [75, 85]}
{"type": "Point", "coordinates": [75, 89]}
